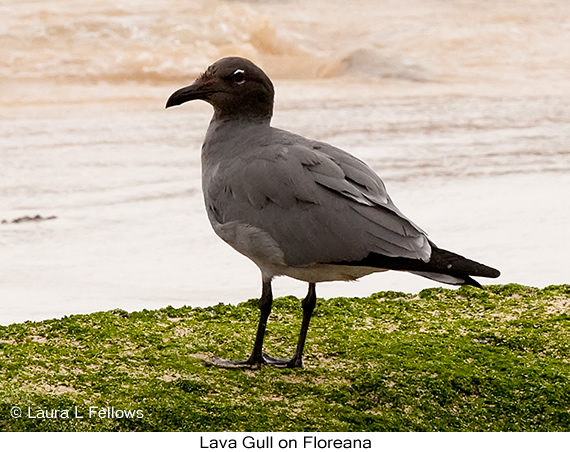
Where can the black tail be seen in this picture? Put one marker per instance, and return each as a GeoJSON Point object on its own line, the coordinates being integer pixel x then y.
{"type": "Point", "coordinates": [443, 266]}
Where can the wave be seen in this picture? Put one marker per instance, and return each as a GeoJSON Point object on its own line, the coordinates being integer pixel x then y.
{"type": "Point", "coordinates": [375, 63]}
{"type": "Point", "coordinates": [152, 44]}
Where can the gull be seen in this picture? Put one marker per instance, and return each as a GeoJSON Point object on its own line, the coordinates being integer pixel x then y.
{"type": "Point", "coordinates": [299, 207]}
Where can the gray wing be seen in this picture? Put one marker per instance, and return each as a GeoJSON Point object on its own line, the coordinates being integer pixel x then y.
{"type": "Point", "coordinates": [319, 203]}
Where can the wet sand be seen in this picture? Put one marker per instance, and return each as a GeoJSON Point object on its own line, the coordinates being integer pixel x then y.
{"type": "Point", "coordinates": [467, 123]}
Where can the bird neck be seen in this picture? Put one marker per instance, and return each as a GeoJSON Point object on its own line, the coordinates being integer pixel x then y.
{"type": "Point", "coordinates": [257, 108]}
{"type": "Point", "coordinates": [226, 129]}
{"type": "Point", "coordinates": [243, 117]}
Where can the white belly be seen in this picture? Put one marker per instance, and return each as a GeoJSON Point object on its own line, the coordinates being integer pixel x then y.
{"type": "Point", "coordinates": [328, 272]}
{"type": "Point", "coordinates": [268, 256]}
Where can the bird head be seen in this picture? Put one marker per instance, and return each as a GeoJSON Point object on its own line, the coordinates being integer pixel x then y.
{"type": "Point", "coordinates": [234, 86]}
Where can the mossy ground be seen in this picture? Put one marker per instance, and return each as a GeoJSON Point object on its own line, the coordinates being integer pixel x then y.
{"type": "Point", "coordinates": [443, 360]}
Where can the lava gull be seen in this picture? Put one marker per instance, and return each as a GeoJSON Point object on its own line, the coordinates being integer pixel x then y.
{"type": "Point", "coordinates": [299, 207]}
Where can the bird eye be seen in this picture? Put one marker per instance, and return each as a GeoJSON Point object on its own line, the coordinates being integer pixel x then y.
{"type": "Point", "coordinates": [238, 76]}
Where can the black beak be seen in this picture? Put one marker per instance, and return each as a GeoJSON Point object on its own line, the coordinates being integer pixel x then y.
{"type": "Point", "coordinates": [194, 91]}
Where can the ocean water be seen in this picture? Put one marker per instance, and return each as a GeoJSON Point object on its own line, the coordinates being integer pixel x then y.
{"type": "Point", "coordinates": [465, 113]}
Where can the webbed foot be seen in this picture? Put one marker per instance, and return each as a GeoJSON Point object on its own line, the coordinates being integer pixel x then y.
{"type": "Point", "coordinates": [252, 363]}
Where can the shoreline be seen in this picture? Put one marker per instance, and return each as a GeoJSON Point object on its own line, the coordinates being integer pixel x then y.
{"type": "Point", "coordinates": [440, 360]}
{"type": "Point", "coordinates": [24, 94]}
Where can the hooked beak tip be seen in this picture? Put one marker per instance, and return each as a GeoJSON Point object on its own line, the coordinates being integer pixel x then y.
{"type": "Point", "coordinates": [185, 94]}
{"type": "Point", "coordinates": [171, 102]}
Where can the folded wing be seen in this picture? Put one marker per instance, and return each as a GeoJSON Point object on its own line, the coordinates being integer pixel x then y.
{"type": "Point", "coordinates": [319, 204]}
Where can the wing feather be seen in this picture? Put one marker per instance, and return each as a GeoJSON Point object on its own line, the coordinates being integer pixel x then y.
{"type": "Point", "coordinates": [318, 203]}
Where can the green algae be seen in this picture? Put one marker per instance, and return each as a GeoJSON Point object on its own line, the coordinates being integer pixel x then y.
{"type": "Point", "coordinates": [442, 360]}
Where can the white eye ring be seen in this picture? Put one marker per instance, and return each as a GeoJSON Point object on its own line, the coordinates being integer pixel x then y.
{"type": "Point", "coordinates": [237, 72]}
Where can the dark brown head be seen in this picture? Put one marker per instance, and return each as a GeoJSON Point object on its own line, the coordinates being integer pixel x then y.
{"type": "Point", "coordinates": [234, 86]}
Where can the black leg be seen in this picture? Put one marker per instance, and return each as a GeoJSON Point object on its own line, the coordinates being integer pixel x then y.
{"type": "Point", "coordinates": [309, 304]}
{"type": "Point", "coordinates": [265, 303]}
{"type": "Point", "coordinates": [257, 357]}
